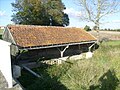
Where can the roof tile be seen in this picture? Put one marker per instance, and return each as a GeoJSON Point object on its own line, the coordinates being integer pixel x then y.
{"type": "Point", "coordinates": [29, 35]}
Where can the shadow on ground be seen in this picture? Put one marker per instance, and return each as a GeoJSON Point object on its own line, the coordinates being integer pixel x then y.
{"type": "Point", "coordinates": [45, 82]}
{"type": "Point", "coordinates": [108, 81]}
{"type": "Point", "coordinates": [0, 36]}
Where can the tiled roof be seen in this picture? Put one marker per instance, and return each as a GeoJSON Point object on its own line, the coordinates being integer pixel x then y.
{"type": "Point", "coordinates": [28, 35]}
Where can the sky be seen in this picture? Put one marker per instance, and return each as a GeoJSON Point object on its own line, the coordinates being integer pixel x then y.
{"type": "Point", "coordinates": [72, 9]}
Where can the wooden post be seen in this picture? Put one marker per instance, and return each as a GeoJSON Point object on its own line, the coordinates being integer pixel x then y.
{"type": "Point", "coordinates": [62, 51]}
{"type": "Point", "coordinates": [91, 47]}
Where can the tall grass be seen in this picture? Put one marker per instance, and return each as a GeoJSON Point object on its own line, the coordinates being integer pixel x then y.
{"type": "Point", "coordinates": [102, 72]}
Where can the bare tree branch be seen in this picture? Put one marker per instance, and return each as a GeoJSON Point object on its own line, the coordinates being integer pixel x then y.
{"type": "Point", "coordinates": [95, 10]}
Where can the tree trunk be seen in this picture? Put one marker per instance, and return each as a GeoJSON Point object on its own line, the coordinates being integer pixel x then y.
{"type": "Point", "coordinates": [97, 29]}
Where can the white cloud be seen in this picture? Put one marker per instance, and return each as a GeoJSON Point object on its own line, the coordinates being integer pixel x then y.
{"type": "Point", "coordinates": [116, 21]}
{"type": "Point", "coordinates": [72, 12]}
{"type": "Point", "coordinates": [2, 13]}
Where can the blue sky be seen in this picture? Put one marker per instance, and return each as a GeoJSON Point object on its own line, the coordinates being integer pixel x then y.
{"type": "Point", "coordinates": [71, 8]}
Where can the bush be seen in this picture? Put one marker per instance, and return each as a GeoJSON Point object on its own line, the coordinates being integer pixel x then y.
{"type": "Point", "coordinates": [0, 36]}
{"type": "Point", "coordinates": [87, 28]}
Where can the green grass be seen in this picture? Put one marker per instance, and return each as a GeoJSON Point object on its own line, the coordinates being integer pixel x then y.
{"type": "Point", "coordinates": [112, 43]}
{"type": "Point", "coordinates": [1, 30]}
{"type": "Point", "coordinates": [102, 72]}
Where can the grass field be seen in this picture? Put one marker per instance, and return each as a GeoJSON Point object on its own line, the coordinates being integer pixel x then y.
{"type": "Point", "coordinates": [1, 31]}
{"type": "Point", "coordinates": [102, 72]}
{"type": "Point", "coordinates": [111, 35]}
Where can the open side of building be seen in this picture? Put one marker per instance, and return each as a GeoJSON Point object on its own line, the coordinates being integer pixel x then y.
{"type": "Point", "coordinates": [38, 43]}
{"type": "Point", "coordinates": [48, 40]}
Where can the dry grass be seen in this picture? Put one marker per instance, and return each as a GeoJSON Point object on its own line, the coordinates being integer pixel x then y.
{"type": "Point", "coordinates": [99, 73]}
{"type": "Point", "coordinates": [111, 35]}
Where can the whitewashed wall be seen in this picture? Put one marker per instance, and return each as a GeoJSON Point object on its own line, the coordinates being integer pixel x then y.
{"type": "Point", "coordinates": [5, 62]}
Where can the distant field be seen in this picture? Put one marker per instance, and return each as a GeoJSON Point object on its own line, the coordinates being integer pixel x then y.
{"type": "Point", "coordinates": [111, 35]}
{"type": "Point", "coordinates": [102, 72]}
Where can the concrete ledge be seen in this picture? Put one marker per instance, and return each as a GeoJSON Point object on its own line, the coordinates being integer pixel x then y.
{"type": "Point", "coordinates": [3, 84]}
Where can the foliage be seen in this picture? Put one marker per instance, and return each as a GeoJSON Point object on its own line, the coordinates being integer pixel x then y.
{"type": "Point", "coordinates": [98, 73]}
{"type": "Point", "coordinates": [0, 36]}
{"type": "Point", "coordinates": [40, 12]}
{"type": "Point", "coordinates": [95, 28]}
{"type": "Point", "coordinates": [87, 28]}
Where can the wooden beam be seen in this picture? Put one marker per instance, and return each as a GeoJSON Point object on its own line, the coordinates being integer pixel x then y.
{"type": "Point", "coordinates": [62, 51]}
{"type": "Point", "coordinates": [32, 72]}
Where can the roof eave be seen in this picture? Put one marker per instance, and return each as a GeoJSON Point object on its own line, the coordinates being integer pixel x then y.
{"type": "Point", "coordinates": [11, 36]}
{"type": "Point", "coordinates": [52, 46]}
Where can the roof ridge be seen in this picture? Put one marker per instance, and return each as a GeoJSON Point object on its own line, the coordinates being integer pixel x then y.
{"type": "Point", "coordinates": [17, 25]}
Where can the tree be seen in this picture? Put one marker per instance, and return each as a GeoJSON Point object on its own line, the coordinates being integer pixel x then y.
{"type": "Point", "coordinates": [87, 28]}
{"type": "Point", "coordinates": [95, 28]}
{"type": "Point", "coordinates": [95, 10]}
{"type": "Point", "coordinates": [40, 12]}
